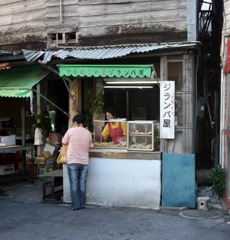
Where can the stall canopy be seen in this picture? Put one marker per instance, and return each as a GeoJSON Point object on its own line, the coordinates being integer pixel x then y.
{"type": "Point", "coordinates": [18, 81]}
{"type": "Point", "coordinates": [125, 71]}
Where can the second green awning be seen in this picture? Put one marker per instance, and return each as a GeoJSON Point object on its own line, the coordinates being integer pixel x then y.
{"type": "Point", "coordinates": [126, 71]}
{"type": "Point", "coordinates": [18, 81]}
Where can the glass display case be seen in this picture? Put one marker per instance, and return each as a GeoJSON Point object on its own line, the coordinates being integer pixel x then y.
{"type": "Point", "coordinates": [100, 142]}
{"type": "Point", "coordinates": [140, 135]}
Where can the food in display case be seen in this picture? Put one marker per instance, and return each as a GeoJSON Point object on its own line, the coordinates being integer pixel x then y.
{"type": "Point", "coordinates": [99, 142]}
{"type": "Point", "coordinates": [140, 135]}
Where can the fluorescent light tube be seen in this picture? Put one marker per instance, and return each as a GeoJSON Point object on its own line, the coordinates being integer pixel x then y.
{"type": "Point", "coordinates": [135, 87]}
{"type": "Point", "coordinates": [131, 82]}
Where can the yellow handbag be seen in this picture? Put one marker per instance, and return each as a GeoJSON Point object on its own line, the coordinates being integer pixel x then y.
{"type": "Point", "coordinates": [62, 157]}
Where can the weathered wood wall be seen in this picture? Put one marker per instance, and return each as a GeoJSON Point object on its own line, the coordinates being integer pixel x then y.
{"type": "Point", "coordinates": [226, 18]}
{"type": "Point", "coordinates": [132, 21]}
{"type": "Point", "coordinates": [22, 21]}
{"type": "Point", "coordinates": [62, 16]}
{"type": "Point", "coordinates": [88, 22]}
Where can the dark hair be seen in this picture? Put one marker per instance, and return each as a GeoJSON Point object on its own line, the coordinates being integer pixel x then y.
{"type": "Point", "coordinates": [80, 119]}
{"type": "Point", "coordinates": [112, 111]}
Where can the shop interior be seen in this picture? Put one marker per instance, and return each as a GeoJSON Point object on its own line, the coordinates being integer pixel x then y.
{"type": "Point", "coordinates": [132, 103]}
{"type": "Point", "coordinates": [52, 120]}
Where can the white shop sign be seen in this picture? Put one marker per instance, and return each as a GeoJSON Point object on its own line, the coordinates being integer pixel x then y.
{"type": "Point", "coordinates": [167, 109]}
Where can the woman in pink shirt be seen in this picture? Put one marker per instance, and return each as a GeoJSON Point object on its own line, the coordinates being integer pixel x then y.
{"type": "Point", "coordinates": [79, 140]}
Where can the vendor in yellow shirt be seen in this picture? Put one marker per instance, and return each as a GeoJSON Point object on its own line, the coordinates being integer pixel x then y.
{"type": "Point", "coordinates": [114, 130]}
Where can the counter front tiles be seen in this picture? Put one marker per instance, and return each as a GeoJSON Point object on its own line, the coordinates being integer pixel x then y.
{"type": "Point", "coordinates": [122, 178]}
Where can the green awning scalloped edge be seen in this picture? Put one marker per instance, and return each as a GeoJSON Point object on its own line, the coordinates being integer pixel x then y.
{"type": "Point", "coordinates": [126, 71]}
{"type": "Point", "coordinates": [17, 93]}
{"type": "Point", "coordinates": [18, 81]}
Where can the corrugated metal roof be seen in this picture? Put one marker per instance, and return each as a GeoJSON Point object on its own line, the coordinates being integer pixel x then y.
{"type": "Point", "coordinates": [105, 52]}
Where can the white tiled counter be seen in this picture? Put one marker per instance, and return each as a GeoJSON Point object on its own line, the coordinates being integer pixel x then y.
{"type": "Point", "coordinates": [122, 179]}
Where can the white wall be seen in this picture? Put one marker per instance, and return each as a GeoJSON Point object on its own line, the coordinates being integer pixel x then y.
{"type": "Point", "coordinates": [122, 183]}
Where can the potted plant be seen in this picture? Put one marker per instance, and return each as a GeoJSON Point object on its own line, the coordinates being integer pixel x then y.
{"type": "Point", "coordinates": [44, 122]}
{"type": "Point", "coordinates": [217, 178]}
{"type": "Point", "coordinates": [95, 107]}
{"type": "Point", "coordinates": [96, 104]}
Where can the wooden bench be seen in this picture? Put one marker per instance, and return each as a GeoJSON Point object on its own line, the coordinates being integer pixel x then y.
{"type": "Point", "coordinates": [51, 175]}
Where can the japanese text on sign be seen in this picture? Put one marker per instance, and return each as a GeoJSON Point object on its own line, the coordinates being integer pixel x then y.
{"type": "Point", "coordinates": [111, 72]}
{"type": "Point", "coordinates": [167, 109]}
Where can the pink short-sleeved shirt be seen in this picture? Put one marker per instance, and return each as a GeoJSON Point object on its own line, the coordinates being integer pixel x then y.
{"type": "Point", "coordinates": [78, 140]}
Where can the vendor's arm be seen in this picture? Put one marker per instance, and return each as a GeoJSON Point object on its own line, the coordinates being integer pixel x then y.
{"type": "Point", "coordinates": [124, 127]}
{"type": "Point", "coordinates": [105, 132]}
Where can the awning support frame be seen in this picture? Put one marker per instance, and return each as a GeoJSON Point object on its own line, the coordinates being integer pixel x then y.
{"type": "Point", "coordinates": [53, 70]}
{"type": "Point", "coordinates": [52, 103]}
{"type": "Point", "coordinates": [64, 78]}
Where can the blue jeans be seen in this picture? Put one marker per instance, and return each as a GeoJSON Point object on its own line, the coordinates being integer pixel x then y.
{"type": "Point", "coordinates": [77, 178]}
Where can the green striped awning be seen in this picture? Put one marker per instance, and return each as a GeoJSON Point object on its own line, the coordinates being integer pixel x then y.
{"type": "Point", "coordinates": [126, 71]}
{"type": "Point", "coordinates": [18, 81]}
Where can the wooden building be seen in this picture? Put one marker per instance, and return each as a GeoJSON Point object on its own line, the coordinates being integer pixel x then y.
{"type": "Point", "coordinates": [165, 34]}
{"type": "Point", "coordinates": [32, 25]}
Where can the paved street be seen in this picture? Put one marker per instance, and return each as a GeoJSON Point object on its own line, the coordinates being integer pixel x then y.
{"type": "Point", "coordinates": [24, 216]}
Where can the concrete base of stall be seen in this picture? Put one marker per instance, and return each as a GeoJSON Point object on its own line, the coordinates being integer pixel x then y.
{"type": "Point", "coordinates": [121, 180]}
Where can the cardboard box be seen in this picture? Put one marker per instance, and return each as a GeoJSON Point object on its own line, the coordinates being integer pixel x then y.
{"type": "Point", "coordinates": [6, 169]}
{"type": "Point", "coordinates": [39, 160]}
{"type": "Point", "coordinates": [8, 140]}
{"type": "Point", "coordinates": [46, 154]}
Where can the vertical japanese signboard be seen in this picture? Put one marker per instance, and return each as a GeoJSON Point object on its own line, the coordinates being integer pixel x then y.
{"type": "Point", "coordinates": [167, 109]}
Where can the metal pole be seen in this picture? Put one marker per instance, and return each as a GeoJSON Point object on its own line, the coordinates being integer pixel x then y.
{"type": "Point", "coordinates": [23, 137]}
{"type": "Point", "coordinates": [38, 112]}
{"type": "Point", "coordinates": [52, 103]}
{"type": "Point", "coordinates": [127, 104]}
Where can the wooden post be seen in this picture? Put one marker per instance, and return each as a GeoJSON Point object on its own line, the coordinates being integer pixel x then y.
{"type": "Point", "coordinates": [74, 108]}
{"type": "Point", "coordinates": [74, 100]}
